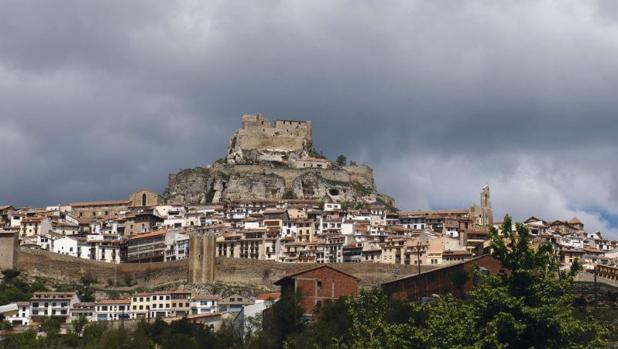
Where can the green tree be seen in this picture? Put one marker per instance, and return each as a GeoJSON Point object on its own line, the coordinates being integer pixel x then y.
{"type": "Point", "coordinates": [341, 160]}
{"type": "Point", "coordinates": [526, 306]}
{"type": "Point", "coordinates": [79, 324]}
{"type": "Point", "coordinates": [51, 326]}
{"type": "Point", "coordinates": [285, 318]}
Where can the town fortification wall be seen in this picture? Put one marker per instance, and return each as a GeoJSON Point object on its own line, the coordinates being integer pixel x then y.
{"type": "Point", "coordinates": [37, 263]}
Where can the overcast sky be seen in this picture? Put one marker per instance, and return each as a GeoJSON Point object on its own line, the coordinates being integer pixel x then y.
{"type": "Point", "coordinates": [100, 98]}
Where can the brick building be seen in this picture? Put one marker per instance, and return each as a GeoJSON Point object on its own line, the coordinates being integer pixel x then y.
{"type": "Point", "coordinates": [440, 281]}
{"type": "Point", "coordinates": [319, 285]}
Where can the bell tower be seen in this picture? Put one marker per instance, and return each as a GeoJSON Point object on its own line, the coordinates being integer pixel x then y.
{"type": "Point", "coordinates": [487, 215]}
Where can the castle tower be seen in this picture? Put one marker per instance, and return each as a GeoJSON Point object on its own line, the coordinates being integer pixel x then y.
{"type": "Point", "coordinates": [202, 258]}
{"type": "Point", "coordinates": [9, 249]}
{"type": "Point", "coordinates": [487, 215]}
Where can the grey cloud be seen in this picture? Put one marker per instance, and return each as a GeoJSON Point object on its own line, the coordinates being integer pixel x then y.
{"type": "Point", "coordinates": [98, 98]}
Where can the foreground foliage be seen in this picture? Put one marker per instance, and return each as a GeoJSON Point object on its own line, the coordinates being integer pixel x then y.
{"type": "Point", "coordinates": [527, 306]}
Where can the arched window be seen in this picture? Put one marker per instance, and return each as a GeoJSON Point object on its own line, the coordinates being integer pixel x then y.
{"type": "Point", "coordinates": [144, 199]}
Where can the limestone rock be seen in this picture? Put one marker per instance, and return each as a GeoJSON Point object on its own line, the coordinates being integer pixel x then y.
{"type": "Point", "coordinates": [272, 161]}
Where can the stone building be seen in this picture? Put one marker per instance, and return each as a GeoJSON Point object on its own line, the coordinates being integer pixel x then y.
{"type": "Point", "coordinates": [284, 140]}
{"type": "Point", "coordinates": [144, 198]}
{"type": "Point", "coordinates": [94, 209]}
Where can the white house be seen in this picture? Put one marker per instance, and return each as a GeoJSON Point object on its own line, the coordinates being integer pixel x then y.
{"type": "Point", "coordinates": [204, 304]}
{"type": "Point", "coordinates": [17, 313]}
{"type": "Point", "coordinates": [66, 246]}
{"type": "Point", "coordinates": [112, 309]}
{"type": "Point", "coordinates": [57, 304]}
{"type": "Point", "coordinates": [176, 246]}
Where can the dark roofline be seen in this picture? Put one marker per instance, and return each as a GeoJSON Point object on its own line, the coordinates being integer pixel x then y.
{"type": "Point", "coordinates": [312, 269]}
{"type": "Point", "coordinates": [434, 270]}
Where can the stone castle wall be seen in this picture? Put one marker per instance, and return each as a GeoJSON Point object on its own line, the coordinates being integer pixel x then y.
{"type": "Point", "coordinates": [259, 134]}
{"type": "Point", "coordinates": [36, 263]}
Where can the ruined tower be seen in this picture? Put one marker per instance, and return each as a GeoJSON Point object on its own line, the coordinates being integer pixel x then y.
{"type": "Point", "coordinates": [202, 258]}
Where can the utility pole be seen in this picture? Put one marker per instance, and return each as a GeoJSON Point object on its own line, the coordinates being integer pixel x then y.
{"type": "Point", "coordinates": [418, 256]}
{"type": "Point", "coordinates": [596, 287]}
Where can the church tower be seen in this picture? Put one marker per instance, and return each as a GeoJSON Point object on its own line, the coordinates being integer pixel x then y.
{"type": "Point", "coordinates": [487, 214]}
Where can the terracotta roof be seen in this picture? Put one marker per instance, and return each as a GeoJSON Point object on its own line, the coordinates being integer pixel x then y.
{"type": "Point", "coordinates": [114, 301]}
{"type": "Point", "coordinates": [205, 297]}
{"type": "Point", "coordinates": [268, 296]}
{"type": "Point", "coordinates": [575, 220]}
{"type": "Point", "coordinates": [148, 235]}
{"type": "Point", "coordinates": [278, 282]}
{"type": "Point", "coordinates": [100, 203]}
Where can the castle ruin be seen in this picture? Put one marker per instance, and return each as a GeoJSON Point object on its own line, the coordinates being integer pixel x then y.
{"type": "Point", "coordinates": [260, 140]}
{"type": "Point", "coordinates": [274, 160]}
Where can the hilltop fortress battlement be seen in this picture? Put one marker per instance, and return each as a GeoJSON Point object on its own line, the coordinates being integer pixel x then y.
{"type": "Point", "coordinates": [260, 139]}
{"type": "Point", "coordinates": [274, 160]}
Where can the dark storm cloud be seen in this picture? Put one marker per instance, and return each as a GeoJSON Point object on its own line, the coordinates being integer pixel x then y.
{"type": "Point", "coordinates": [99, 98]}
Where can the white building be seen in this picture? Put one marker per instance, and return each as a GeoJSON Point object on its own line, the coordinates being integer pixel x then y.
{"type": "Point", "coordinates": [204, 304]}
{"type": "Point", "coordinates": [18, 313]}
{"type": "Point", "coordinates": [99, 249]}
{"type": "Point", "coordinates": [176, 246]}
{"type": "Point", "coordinates": [112, 309]}
{"type": "Point", "coordinates": [66, 246]}
{"type": "Point", "coordinates": [56, 304]}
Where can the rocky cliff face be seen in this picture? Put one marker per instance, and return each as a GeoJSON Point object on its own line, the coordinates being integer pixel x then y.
{"type": "Point", "coordinates": [268, 161]}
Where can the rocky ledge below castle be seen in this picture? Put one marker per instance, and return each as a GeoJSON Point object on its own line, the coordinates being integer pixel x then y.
{"type": "Point", "coordinates": [274, 161]}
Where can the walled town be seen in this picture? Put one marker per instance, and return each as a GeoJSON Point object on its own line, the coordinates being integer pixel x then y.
{"type": "Point", "coordinates": [273, 197]}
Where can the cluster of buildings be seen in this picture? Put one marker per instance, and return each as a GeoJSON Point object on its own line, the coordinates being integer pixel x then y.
{"type": "Point", "coordinates": [66, 307]}
{"type": "Point", "coordinates": [144, 229]}
{"type": "Point", "coordinates": [318, 285]}
{"type": "Point", "coordinates": [572, 242]}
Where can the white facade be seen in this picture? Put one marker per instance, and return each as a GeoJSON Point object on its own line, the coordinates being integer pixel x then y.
{"type": "Point", "coordinates": [66, 246]}
{"type": "Point", "coordinates": [21, 315]}
{"type": "Point", "coordinates": [46, 304]}
{"type": "Point", "coordinates": [204, 304]}
{"type": "Point", "coordinates": [176, 246]}
{"type": "Point", "coordinates": [112, 309]}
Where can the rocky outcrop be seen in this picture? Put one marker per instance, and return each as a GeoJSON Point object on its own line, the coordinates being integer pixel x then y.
{"type": "Point", "coordinates": [260, 166]}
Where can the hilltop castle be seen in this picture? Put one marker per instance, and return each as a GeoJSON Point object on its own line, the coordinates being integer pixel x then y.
{"type": "Point", "coordinates": [274, 160]}
{"type": "Point", "coordinates": [259, 140]}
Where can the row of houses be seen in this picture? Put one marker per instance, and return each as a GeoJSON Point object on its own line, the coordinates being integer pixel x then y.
{"type": "Point", "coordinates": [318, 285]}
{"type": "Point", "coordinates": [144, 229]}
{"type": "Point", "coordinates": [66, 307]}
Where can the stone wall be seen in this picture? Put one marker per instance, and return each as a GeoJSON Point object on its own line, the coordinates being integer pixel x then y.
{"type": "Point", "coordinates": [260, 140]}
{"type": "Point", "coordinates": [227, 270]}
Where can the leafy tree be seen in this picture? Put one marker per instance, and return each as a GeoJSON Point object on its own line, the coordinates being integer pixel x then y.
{"type": "Point", "coordinates": [79, 324]}
{"type": "Point", "coordinates": [285, 318]}
{"type": "Point", "coordinates": [526, 306]}
{"type": "Point", "coordinates": [341, 160]}
{"type": "Point", "coordinates": [289, 195]}
{"type": "Point", "coordinates": [10, 274]}
{"type": "Point", "coordinates": [51, 326]}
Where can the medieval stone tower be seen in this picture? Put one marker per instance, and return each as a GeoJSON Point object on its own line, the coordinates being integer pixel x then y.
{"type": "Point", "coordinates": [202, 258]}
{"type": "Point", "coordinates": [487, 214]}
